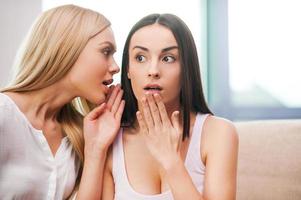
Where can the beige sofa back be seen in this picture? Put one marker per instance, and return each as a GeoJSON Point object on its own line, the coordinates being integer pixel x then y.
{"type": "Point", "coordinates": [269, 160]}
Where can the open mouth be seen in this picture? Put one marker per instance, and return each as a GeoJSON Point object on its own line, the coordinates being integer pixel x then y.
{"type": "Point", "coordinates": [107, 82]}
{"type": "Point", "coordinates": [153, 88]}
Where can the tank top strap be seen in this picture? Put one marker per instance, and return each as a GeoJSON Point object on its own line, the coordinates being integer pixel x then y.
{"type": "Point", "coordinates": [194, 149]}
{"type": "Point", "coordinates": [118, 160]}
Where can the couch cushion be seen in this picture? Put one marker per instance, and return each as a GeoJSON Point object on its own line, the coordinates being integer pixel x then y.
{"type": "Point", "coordinates": [269, 160]}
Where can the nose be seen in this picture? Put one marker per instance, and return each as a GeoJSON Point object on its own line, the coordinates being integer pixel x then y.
{"type": "Point", "coordinates": [153, 70]}
{"type": "Point", "coordinates": [114, 68]}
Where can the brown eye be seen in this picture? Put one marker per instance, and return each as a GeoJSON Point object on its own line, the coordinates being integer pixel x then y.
{"type": "Point", "coordinates": [168, 59]}
{"type": "Point", "coordinates": [140, 58]}
{"type": "Point", "coordinates": [106, 51]}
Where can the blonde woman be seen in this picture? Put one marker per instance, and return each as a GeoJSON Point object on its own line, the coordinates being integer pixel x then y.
{"type": "Point", "coordinates": [50, 141]}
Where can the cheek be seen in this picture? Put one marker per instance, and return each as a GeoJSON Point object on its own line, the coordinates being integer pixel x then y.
{"type": "Point", "coordinates": [97, 64]}
{"type": "Point", "coordinates": [137, 86]}
{"type": "Point", "coordinates": [137, 82]}
{"type": "Point", "coordinates": [83, 66]}
{"type": "Point", "coordinates": [135, 75]}
{"type": "Point", "coordinates": [174, 81]}
{"type": "Point", "coordinates": [94, 63]}
{"type": "Point", "coordinates": [95, 71]}
{"type": "Point", "coordinates": [76, 74]}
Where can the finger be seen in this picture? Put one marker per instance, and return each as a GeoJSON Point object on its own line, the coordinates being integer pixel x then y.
{"type": "Point", "coordinates": [96, 112]}
{"type": "Point", "coordinates": [110, 92]}
{"type": "Point", "coordinates": [147, 115]}
{"type": "Point", "coordinates": [162, 109]}
{"type": "Point", "coordinates": [119, 112]}
{"type": "Point", "coordinates": [113, 96]}
{"type": "Point", "coordinates": [117, 101]}
{"type": "Point", "coordinates": [154, 110]}
{"type": "Point", "coordinates": [141, 123]}
{"type": "Point", "coordinates": [175, 119]}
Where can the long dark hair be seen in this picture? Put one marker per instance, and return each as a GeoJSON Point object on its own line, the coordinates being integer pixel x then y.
{"type": "Point", "coordinates": [191, 94]}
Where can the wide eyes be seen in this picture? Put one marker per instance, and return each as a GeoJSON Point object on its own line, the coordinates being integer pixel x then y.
{"type": "Point", "coordinates": [140, 58]}
{"type": "Point", "coordinates": [166, 59]}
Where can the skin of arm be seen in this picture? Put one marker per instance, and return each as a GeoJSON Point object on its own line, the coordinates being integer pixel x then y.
{"type": "Point", "coordinates": [220, 153]}
{"type": "Point", "coordinates": [100, 128]}
{"type": "Point", "coordinates": [109, 190]}
{"type": "Point", "coordinates": [92, 177]}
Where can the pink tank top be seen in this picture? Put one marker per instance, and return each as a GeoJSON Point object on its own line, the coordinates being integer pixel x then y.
{"type": "Point", "coordinates": [193, 164]}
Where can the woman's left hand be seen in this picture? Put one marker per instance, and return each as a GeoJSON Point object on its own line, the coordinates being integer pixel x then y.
{"type": "Point", "coordinates": [102, 123]}
{"type": "Point", "coordinates": [162, 135]}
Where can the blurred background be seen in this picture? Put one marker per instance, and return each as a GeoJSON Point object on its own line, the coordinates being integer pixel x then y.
{"type": "Point", "coordinates": [249, 50]}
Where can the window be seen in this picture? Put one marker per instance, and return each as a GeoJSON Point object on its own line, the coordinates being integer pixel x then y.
{"type": "Point", "coordinates": [254, 58]}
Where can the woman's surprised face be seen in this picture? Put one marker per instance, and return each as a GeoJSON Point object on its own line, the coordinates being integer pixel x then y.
{"type": "Point", "coordinates": [93, 72]}
{"type": "Point", "coordinates": [154, 63]}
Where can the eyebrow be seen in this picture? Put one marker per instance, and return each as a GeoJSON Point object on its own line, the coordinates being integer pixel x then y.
{"type": "Point", "coordinates": [163, 50]}
{"type": "Point", "coordinates": [110, 44]}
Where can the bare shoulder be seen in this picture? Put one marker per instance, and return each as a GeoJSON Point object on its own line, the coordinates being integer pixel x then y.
{"type": "Point", "coordinates": [219, 127]}
{"type": "Point", "coordinates": [219, 133]}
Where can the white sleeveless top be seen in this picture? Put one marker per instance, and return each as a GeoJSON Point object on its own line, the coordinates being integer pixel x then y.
{"type": "Point", "coordinates": [193, 164]}
{"type": "Point", "coordinates": [28, 169]}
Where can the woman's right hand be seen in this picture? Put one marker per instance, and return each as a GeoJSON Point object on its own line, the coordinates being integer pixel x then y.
{"type": "Point", "coordinates": [162, 134]}
{"type": "Point", "coordinates": [102, 123]}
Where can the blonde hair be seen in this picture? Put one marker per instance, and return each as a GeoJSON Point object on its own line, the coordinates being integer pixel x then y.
{"type": "Point", "coordinates": [54, 44]}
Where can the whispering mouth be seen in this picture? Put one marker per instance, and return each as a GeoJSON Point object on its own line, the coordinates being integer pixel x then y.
{"type": "Point", "coordinates": [107, 82]}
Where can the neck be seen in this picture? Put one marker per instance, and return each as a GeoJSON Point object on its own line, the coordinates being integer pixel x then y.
{"type": "Point", "coordinates": [42, 105]}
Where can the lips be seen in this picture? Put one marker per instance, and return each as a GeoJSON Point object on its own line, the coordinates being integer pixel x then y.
{"type": "Point", "coordinates": [107, 82]}
{"type": "Point", "coordinates": [152, 88]}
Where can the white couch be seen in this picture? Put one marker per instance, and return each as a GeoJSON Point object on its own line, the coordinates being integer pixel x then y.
{"type": "Point", "coordinates": [269, 160]}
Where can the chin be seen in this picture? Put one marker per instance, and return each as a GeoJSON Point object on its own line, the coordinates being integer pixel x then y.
{"type": "Point", "coordinates": [97, 98]}
{"type": "Point", "coordinates": [100, 100]}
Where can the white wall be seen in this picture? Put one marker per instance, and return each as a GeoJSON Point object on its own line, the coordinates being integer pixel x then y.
{"type": "Point", "coordinates": [123, 14]}
{"type": "Point", "coordinates": [16, 17]}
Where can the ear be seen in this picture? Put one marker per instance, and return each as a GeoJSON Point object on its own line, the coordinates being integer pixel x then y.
{"type": "Point", "coordinates": [128, 75]}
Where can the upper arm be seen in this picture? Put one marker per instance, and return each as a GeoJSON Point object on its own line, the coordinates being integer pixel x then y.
{"type": "Point", "coordinates": [221, 150]}
{"type": "Point", "coordinates": [108, 189]}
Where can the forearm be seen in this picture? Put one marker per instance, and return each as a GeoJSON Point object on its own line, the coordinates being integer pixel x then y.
{"type": "Point", "coordinates": [180, 181]}
{"type": "Point", "coordinates": [92, 177]}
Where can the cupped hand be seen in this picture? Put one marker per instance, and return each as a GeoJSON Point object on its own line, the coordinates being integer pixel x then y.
{"type": "Point", "coordinates": [102, 124]}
